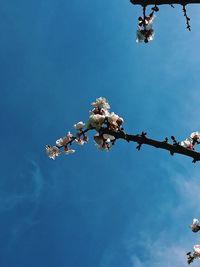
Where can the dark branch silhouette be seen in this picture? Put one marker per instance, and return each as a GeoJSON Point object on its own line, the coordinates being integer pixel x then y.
{"type": "Point", "coordinates": [187, 18]}
{"type": "Point", "coordinates": [143, 139]}
{"type": "Point", "coordinates": [163, 2]}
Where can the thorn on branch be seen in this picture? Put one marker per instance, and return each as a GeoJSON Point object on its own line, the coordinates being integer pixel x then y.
{"type": "Point", "coordinates": [113, 142]}
{"type": "Point", "coordinates": [194, 160]}
{"type": "Point", "coordinates": [175, 143]}
{"type": "Point", "coordinates": [155, 8]}
{"type": "Point", "coordinates": [138, 147]}
{"type": "Point", "coordinates": [143, 134]}
{"type": "Point", "coordinates": [166, 140]}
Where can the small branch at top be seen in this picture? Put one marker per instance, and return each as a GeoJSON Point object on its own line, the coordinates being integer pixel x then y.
{"type": "Point", "coordinates": [187, 18]}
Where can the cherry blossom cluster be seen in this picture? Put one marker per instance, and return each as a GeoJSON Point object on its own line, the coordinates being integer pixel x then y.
{"type": "Point", "coordinates": [100, 118]}
{"type": "Point", "coordinates": [195, 254]}
{"type": "Point", "coordinates": [145, 32]}
{"type": "Point", "coordinates": [191, 141]}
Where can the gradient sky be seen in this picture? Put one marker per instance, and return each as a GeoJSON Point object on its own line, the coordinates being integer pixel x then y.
{"type": "Point", "coordinates": [94, 209]}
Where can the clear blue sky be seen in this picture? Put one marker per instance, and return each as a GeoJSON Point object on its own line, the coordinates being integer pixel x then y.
{"type": "Point", "coordinates": [93, 209]}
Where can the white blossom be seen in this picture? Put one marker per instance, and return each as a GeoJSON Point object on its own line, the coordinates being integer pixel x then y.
{"type": "Point", "coordinates": [114, 119]}
{"type": "Point", "coordinates": [52, 152]}
{"type": "Point", "coordinates": [64, 140]}
{"type": "Point", "coordinates": [147, 23]}
{"type": "Point", "coordinates": [98, 139]}
{"type": "Point", "coordinates": [140, 36]}
{"type": "Point", "coordinates": [101, 103]}
{"type": "Point", "coordinates": [100, 111]}
{"type": "Point", "coordinates": [108, 137]}
{"type": "Point", "coordinates": [191, 141]}
{"type": "Point", "coordinates": [195, 226]}
{"type": "Point", "coordinates": [69, 136]}
{"type": "Point", "coordinates": [59, 142]}
{"type": "Point", "coordinates": [195, 135]}
{"type": "Point", "coordinates": [187, 143]}
{"type": "Point", "coordinates": [105, 147]}
{"type": "Point", "coordinates": [102, 143]}
{"type": "Point", "coordinates": [145, 32]}
{"type": "Point", "coordinates": [144, 35]}
{"type": "Point", "coordinates": [96, 121]}
{"type": "Point", "coordinates": [79, 125]}
{"type": "Point", "coordinates": [80, 141]}
{"type": "Point", "coordinates": [195, 255]}
{"type": "Point", "coordinates": [196, 249]}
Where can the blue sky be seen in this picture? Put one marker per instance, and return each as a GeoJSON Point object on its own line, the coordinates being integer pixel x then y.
{"type": "Point", "coordinates": [122, 208]}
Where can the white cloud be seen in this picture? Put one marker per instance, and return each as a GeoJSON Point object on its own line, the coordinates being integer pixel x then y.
{"type": "Point", "coordinates": [161, 255]}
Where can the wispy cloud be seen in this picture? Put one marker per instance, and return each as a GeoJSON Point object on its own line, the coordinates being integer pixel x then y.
{"type": "Point", "coordinates": [169, 247]}
{"type": "Point", "coordinates": [161, 255]}
{"type": "Point", "coordinates": [24, 202]}
{"type": "Point", "coordinates": [34, 181]}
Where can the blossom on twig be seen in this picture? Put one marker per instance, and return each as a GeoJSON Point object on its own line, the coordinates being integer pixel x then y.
{"type": "Point", "coordinates": [187, 143]}
{"type": "Point", "coordinates": [195, 226]}
{"type": "Point", "coordinates": [80, 141]}
{"type": "Point", "coordinates": [96, 121]}
{"type": "Point", "coordinates": [52, 151]}
{"type": "Point", "coordinates": [101, 103]}
{"type": "Point", "coordinates": [100, 118]}
{"type": "Point", "coordinates": [145, 32]}
{"type": "Point", "coordinates": [195, 137]}
{"type": "Point", "coordinates": [108, 127]}
{"type": "Point", "coordinates": [104, 142]}
{"type": "Point", "coordinates": [193, 255]}
{"type": "Point", "coordinates": [64, 140]}
{"type": "Point", "coordinates": [115, 121]}
{"type": "Point", "coordinates": [79, 125]}
{"type": "Point", "coordinates": [191, 141]}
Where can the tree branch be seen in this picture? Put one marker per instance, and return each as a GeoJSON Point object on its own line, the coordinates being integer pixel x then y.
{"type": "Point", "coordinates": [163, 2]}
{"type": "Point", "coordinates": [108, 128]}
{"type": "Point", "coordinates": [143, 139]}
{"type": "Point", "coordinates": [187, 18]}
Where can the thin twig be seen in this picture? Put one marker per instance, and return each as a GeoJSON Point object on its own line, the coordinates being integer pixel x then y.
{"type": "Point", "coordinates": [187, 18]}
{"type": "Point", "coordinates": [163, 2]}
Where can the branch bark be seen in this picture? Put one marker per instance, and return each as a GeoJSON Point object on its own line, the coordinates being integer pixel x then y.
{"type": "Point", "coordinates": [163, 2]}
{"type": "Point", "coordinates": [143, 139]}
